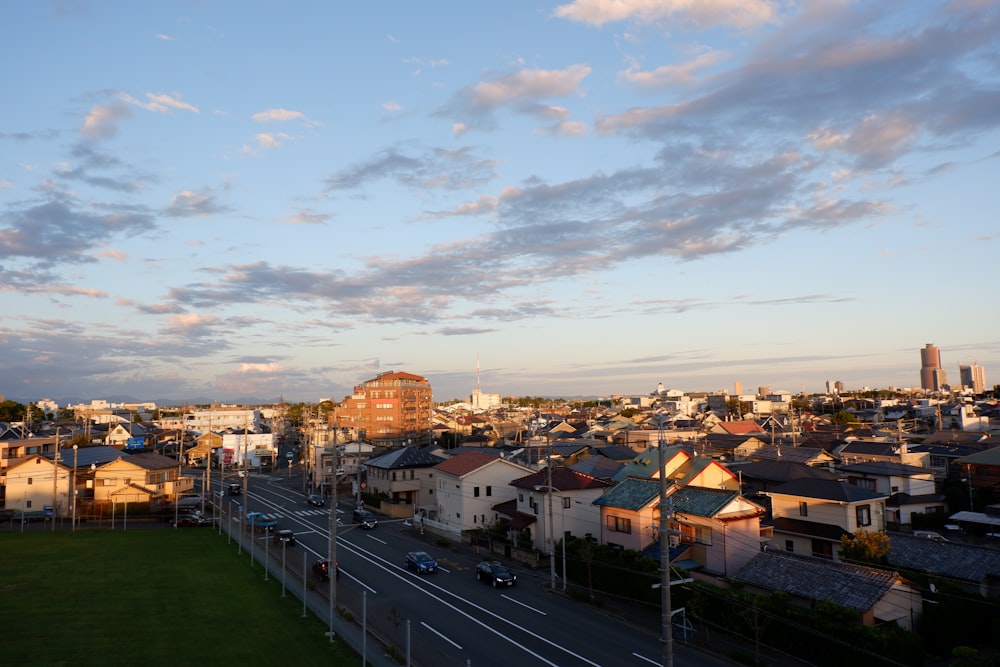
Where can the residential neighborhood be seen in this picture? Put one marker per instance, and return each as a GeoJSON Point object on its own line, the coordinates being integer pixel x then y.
{"type": "Point", "coordinates": [762, 502]}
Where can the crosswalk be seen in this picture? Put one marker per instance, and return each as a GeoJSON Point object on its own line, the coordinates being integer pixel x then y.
{"type": "Point", "coordinates": [282, 515]}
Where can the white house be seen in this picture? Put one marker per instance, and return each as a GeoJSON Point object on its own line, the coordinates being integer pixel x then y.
{"type": "Point", "coordinates": [468, 485]}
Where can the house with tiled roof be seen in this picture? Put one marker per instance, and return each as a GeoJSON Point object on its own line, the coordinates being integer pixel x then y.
{"type": "Point", "coordinates": [738, 427]}
{"type": "Point", "coordinates": [404, 475]}
{"type": "Point", "coordinates": [732, 446]}
{"type": "Point", "coordinates": [810, 456]}
{"type": "Point", "coordinates": [598, 466]}
{"type": "Point", "coordinates": [877, 596]}
{"type": "Point", "coordinates": [468, 486]}
{"type": "Point", "coordinates": [721, 527]}
{"type": "Point", "coordinates": [630, 514]}
{"type": "Point", "coordinates": [974, 567]}
{"type": "Point", "coordinates": [572, 513]}
{"type": "Point", "coordinates": [139, 478]}
{"type": "Point", "coordinates": [811, 515]}
{"type": "Point", "coordinates": [756, 476]}
{"type": "Point", "coordinates": [681, 467]}
{"type": "Point", "coordinates": [910, 488]}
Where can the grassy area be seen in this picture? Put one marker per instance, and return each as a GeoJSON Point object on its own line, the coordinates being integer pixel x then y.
{"type": "Point", "coordinates": [149, 597]}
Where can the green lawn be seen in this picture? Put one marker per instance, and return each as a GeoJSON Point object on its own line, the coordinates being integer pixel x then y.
{"type": "Point", "coordinates": [149, 597]}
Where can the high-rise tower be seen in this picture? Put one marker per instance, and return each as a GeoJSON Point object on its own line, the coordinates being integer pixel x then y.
{"type": "Point", "coordinates": [972, 377]}
{"type": "Point", "coordinates": [932, 375]}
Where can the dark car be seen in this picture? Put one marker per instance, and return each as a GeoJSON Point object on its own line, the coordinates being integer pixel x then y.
{"type": "Point", "coordinates": [7, 514]}
{"type": "Point", "coordinates": [286, 536]}
{"type": "Point", "coordinates": [366, 519]}
{"type": "Point", "coordinates": [316, 500]}
{"type": "Point", "coordinates": [493, 572]}
{"type": "Point", "coordinates": [421, 562]}
{"type": "Point", "coordinates": [321, 570]}
{"type": "Point", "coordinates": [190, 520]}
{"type": "Point", "coordinates": [235, 490]}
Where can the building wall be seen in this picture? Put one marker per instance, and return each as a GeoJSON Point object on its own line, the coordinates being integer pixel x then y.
{"type": "Point", "coordinates": [457, 502]}
{"type": "Point", "coordinates": [827, 512]}
{"type": "Point", "coordinates": [392, 406]}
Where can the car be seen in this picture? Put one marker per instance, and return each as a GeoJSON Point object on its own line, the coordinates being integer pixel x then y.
{"type": "Point", "coordinates": [285, 536]}
{"type": "Point", "coordinates": [366, 519]}
{"type": "Point", "coordinates": [235, 490]}
{"type": "Point", "coordinates": [321, 569]}
{"type": "Point", "coordinates": [190, 520]}
{"type": "Point", "coordinates": [316, 500]}
{"type": "Point", "coordinates": [929, 535]}
{"type": "Point", "coordinates": [421, 562]}
{"type": "Point", "coordinates": [495, 573]}
{"type": "Point", "coordinates": [7, 514]}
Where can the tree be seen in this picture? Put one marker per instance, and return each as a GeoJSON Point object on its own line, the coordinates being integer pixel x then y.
{"type": "Point", "coordinates": [865, 546]}
{"type": "Point", "coordinates": [842, 418]}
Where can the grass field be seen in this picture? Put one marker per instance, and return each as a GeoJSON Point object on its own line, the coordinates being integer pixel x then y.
{"type": "Point", "coordinates": [149, 597]}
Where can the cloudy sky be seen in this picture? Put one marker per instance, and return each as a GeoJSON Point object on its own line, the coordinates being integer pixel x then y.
{"type": "Point", "coordinates": [246, 200]}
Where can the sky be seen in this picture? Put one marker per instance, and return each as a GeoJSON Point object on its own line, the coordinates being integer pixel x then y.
{"type": "Point", "coordinates": [241, 201]}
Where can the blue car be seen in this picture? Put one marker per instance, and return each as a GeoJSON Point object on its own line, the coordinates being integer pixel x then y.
{"type": "Point", "coordinates": [421, 562]}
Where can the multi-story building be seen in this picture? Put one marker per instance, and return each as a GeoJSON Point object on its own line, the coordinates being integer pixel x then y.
{"type": "Point", "coordinates": [932, 376]}
{"type": "Point", "coordinates": [392, 408]}
{"type": "Point", "coordinates": [972, 377]}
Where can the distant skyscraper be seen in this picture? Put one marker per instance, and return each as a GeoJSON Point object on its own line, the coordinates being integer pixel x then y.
{"type": "Point", "coordinates": [973, 377]}
{"type": "Point", "coordinates": [737, 387]}
{"type": "Point", "coordinates": [932, 376]}
{"type": "Point", "coordinates": [834, 387]}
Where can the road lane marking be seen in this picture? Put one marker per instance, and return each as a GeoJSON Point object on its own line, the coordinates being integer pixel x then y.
{"type": "Point", "coordinates": [527, 606]}
{"type": "Point", "coordinates": [458, 646]}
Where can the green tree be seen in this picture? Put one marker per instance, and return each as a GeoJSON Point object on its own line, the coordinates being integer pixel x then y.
{"type": "Point", "coordinates": [843, 418]}
{"type": "Point", "coordinates": [11, 411]}
{"type": "Point", "coordinates": [865, 546]}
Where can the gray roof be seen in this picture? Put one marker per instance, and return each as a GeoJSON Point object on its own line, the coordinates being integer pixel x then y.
{"type": "Point", "coordinates": [818, 579]}
{"type": "Point", "coordinates": [96, 455]}
{"type": "Point", "coordinates": [631, 494]}
{"type": "Point", "coordinates": [700, 501]}
{"type": "Point", "coordinates": [825, 489]}
{"type": "Point", "coordinates": [598, 466]}
{"type": "Point", "coordinates": [405, 457]}
{"type": "Point", "coordinates": [885, 468]}
{"type": "Point", "coordinates": [948, 559]}
{"type": "Point", "coordinates": [780, 471]}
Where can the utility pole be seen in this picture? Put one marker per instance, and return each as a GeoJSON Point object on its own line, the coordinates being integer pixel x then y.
{"type": "Point", "coordinates": [332, 569]}
{"type": "Point", "coordinates": [552, 543]}
{"type": "Point", "coordinates": [55, 476]}
{"type": "Point", "coordinates": [666, 620]}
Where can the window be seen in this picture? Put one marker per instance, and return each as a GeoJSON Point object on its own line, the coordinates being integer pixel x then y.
{"type": "Point", "coordinates": [475, 492]}
{"type": "Point", "coordinates": [619, 524]}
{"type": "Point", "coordinates": [489, 490]}
{"type": "Point", "coordinates": [520, 497]}
{"type": "Point", "coordinates": [31, 481]}
{"type": "Point", "coordinates": [789, 545]}
{"type": "Point", "coordinates": [567, 503]}
{"type": "Point", "coordinates": [803, 508]}
{"type": "Point", "coordinates": [864, 513]}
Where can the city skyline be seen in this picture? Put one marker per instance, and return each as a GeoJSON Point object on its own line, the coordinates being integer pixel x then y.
{"type": "Point", "coordinates": [221, 201]}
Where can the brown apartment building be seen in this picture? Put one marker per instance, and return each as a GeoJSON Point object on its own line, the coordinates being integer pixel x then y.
{"type": "Point", "coordinates": [391, 408]}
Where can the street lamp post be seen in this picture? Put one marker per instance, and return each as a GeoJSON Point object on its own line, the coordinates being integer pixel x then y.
{"type": "Point", "coordinates": [666, 619]}
{"type": "Point", "coordinates": [55, 487]}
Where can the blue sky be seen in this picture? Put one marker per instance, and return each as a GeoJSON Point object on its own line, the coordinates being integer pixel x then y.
{"type": "Point", "coordinates": [246, 200]}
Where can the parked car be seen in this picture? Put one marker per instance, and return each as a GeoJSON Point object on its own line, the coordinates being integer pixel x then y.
{"type": "Point", "coordinates": [190, 520]}
{"type": "Point", "coordinates": [316, 500]}
{"type": "Point", "coordinates": [493, 572]}
{"type": "Point", "coordinates": [421, 562]}
{"type": "Point", "coordinates": [366, 519]}
{"type": "Point", "coordinates": [285, 535]}
{"type": "Point", "coordinates": [321, 570]}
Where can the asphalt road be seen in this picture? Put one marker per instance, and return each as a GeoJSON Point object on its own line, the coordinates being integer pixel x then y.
{"type": "Point", "coordinates": [451, 616]}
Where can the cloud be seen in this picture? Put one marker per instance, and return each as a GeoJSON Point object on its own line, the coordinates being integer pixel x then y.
{"type": "Point", "coordinates": [5, 184]}
{"type": "Point", "coordinates": [102, 121]}
{"type": "Point", "coordinates": [525, 85]}
{"type": "Point", "coordinates": [674, 75]}
{"type": "Point", "coordinates": [271, 141]}
{"type": "Point", "coordinates": [434, 169]}
{"type": "Point", "coordinates": [188, 203]}
{"type": "Point", "coordinates": [700, 13]}
{"type": "Point", "coordinates": [159, 103]}
{"type": "Point", "coordinates": [277, 115]}
{"type": "Point", "coordinates": [307, 216]}
{"type": "Point", "coordinates": [54, 232]}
